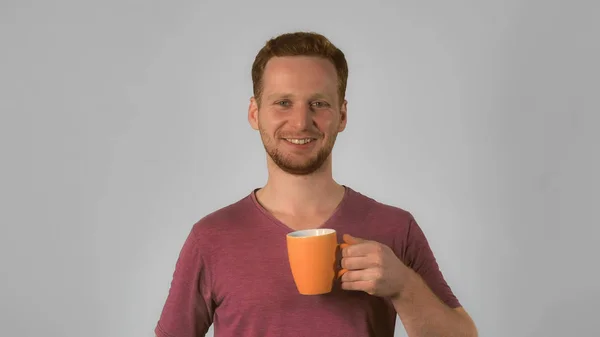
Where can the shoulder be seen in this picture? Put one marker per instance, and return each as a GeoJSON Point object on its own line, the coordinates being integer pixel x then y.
{"type": "Point", "coordinates": [379, 211]}
{"type": "Point", "coordinates": [396, 227]}
{"type": "Point", "coordinates": [389, 223]}
{"type": "Point", "coordinates": [223, 220]}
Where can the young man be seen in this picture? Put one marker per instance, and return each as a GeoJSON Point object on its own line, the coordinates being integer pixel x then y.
{"type": "Point", "coordinates": [233, 269]}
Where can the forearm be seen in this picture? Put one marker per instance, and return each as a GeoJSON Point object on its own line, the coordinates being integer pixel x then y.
{"type": "Point", "coordinates": [423, 314]}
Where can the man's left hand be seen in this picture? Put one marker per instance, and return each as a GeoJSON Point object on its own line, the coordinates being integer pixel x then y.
{"type": "Point", "coordinates": [372, 267]}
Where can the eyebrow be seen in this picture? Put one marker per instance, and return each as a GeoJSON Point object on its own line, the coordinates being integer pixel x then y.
{"type": "Point", "coordinates": [288, 95]}
{"type": "Point", "coordinates": [279, 95]}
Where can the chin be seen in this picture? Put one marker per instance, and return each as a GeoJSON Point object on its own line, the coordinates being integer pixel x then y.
{"type": "Point", "coordinates": [299, 171]}
{"type": "Point", "coordinates": [301, 167]}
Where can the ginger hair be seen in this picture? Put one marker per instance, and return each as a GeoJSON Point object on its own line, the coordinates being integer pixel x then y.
{"type": "Point", "coordinates": [300, 44]}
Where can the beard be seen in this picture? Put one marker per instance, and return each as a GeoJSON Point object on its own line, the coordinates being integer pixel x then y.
{"type": "Point", "coordinates": [293, 166]}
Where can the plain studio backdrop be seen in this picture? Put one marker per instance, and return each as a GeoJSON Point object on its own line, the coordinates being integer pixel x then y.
{"type": "Point", "coordinates": [124, 122]}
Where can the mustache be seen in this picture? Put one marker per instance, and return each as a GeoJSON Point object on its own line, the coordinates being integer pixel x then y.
{"type": "Point", "coordinates": [300, 135]}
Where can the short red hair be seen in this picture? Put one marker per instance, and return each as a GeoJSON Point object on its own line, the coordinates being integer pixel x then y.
{"type": "Point", "coordinates": [300, 44]}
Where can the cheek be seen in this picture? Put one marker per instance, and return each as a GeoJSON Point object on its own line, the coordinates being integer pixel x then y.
{"type": "Point", "coordinates": [270, 121]}
{"type": "Point", "coordinates": [327, 123]}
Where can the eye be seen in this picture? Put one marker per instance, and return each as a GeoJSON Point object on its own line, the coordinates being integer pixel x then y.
{"type": "Point", "coordinates": [320, 104]}
{"type": "Point", "coordinates": [283, 103]}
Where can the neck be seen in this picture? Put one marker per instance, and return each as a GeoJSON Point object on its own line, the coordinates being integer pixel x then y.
{"type": "Point", "coordinates": [300, 195]}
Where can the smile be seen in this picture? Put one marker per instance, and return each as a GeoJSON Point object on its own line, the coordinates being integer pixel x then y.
{"type": "Point", "coordinates": [300, 141]}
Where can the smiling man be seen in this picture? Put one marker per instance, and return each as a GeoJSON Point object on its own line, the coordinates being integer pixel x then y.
{"type": "Point", "coordinates": [233, 270]}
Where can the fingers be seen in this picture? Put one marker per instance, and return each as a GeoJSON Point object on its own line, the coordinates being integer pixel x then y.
{"type": "Point", "coordinates": [357, 263]}
{"type": "Point", "coordinates": [364, 248]}
{"type": "Point", "coordinates": [366, 286]}
{"type": "Point", "coordinates": [351, 239]}
{"type": "Point", "coordinates": [361, 275]}
{"type": "Point", "coordinates": [361, 280]}
{"type": "Point", "coordinates": [355, 276]}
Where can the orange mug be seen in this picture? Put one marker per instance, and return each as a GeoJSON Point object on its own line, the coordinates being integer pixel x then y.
{"type": "Point", "coordinates": [312, 258]}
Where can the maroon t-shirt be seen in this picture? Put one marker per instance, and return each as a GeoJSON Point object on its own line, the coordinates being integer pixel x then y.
{"type": "Point", "coordinates": [233, 271]}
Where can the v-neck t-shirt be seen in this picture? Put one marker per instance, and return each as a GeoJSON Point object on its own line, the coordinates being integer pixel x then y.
{"type": "Point", "coordinates": [233, 272]}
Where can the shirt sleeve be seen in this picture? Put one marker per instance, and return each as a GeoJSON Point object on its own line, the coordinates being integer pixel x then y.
{"type": "Point", "coordinates": [419, 257]}
{"type": "Point", "coordinates": [189, 308]}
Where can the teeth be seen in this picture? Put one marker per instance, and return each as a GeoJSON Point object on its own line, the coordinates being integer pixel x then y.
{"type": "Point", "coordinates": [299, 141]}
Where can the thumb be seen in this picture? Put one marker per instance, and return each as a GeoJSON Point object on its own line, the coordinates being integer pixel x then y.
{"type": "Point", "coordinates": [349, 239]}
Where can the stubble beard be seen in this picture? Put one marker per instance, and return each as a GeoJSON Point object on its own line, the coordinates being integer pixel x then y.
{"type": "Point", "coordinates": [290, 166]}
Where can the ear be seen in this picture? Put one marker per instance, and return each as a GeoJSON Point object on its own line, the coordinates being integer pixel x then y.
{"type": "Point", "coordinates": [343, 116]}
{"type": "Point", "coordinates": [253, 113]}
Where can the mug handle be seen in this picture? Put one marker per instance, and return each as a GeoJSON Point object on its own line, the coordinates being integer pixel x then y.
{"type": "Point", "coordinates": [343, 271]}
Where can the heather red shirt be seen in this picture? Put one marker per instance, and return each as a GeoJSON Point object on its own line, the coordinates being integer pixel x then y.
{"type": "Point", "coordinates": [233, 271]}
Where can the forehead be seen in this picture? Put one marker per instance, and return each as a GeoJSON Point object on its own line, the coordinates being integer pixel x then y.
{"type": "Point", "coordinates": [300, 74]}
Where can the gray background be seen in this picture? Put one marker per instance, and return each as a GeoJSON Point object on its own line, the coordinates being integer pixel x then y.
{"type": "Point", "coordinates": [124, 122]}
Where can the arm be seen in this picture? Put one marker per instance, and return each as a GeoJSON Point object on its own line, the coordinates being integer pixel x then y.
{"type": "Point", "coordinates": [407, 273]}
{"type": "Point", "coordinates": [426, 304]}
{"type": "Point", "coordinates": [423, 314]}
{"type": "Point", "coordinates": [189, 308]}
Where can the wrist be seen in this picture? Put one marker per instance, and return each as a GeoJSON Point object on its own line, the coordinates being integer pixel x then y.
{"type": "Point", "coordinates": [405, 284]}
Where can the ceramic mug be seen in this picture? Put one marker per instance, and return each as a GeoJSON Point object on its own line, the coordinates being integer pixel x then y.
{"type": "Point", "coordinates": [312, 258]}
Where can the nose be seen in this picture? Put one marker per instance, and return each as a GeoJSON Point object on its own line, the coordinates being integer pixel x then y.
{"type": "Point", "coordinates": [303, 117]}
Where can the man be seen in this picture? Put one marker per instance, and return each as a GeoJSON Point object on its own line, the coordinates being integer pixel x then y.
{"type": "Point", "coordinates": [233, 269]}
